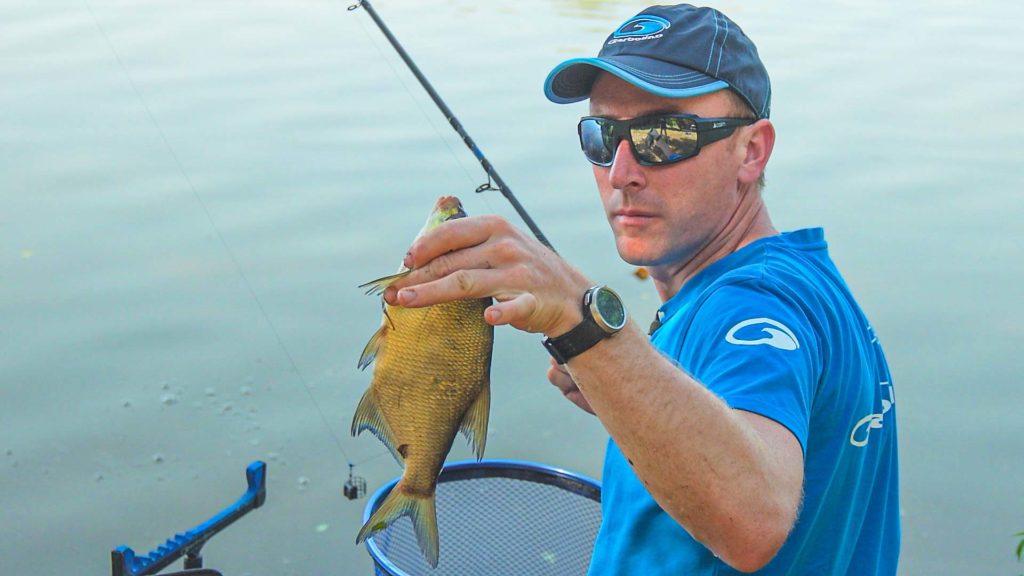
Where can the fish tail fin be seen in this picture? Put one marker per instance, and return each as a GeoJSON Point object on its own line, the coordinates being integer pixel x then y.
{"type": "Point", "coordinates": [419, 509]}
{"type": "Point", "coordinates": [369, 417]}
{"type": "Point", "coordinates": [377, 286]}
{"type": "Point", "coordinates": [474, 423]}
{"type": "Point", "coordinates": [373, 346]}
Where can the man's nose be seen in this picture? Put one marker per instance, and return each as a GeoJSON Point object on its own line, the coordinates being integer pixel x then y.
{"type": "Point", "coordinates": [625, 172]}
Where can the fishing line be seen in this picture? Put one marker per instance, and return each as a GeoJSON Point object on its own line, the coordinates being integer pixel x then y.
{"type": "Point", "coordinates": [429, 118]}
{"type": "Point", "coordinates": [227, 248]}
{"type": "Point", "coordinates": [415, 101]}
{"type": "Point", "coordinates": [492, 174]}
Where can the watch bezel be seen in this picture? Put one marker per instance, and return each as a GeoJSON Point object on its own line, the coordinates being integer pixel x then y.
{"type": "Point", "coordinates": [591, 300]}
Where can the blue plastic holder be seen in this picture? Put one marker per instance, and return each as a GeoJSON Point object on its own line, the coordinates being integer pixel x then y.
{"type": "Point", "coordinates": [497, 517]}
{"type": "Point", "coordinates": [190, 543]}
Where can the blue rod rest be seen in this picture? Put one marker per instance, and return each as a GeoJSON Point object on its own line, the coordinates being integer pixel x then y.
{"type": "Point", "coordinates": [190, 543]}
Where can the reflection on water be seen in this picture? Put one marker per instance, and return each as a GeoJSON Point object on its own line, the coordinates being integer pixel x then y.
{"type": "Point", "coordinates": [596, 18]}
{"type": "Point", "coordinates": [192, 192]}
{"type": "Point", "coordinates": [600, 10]}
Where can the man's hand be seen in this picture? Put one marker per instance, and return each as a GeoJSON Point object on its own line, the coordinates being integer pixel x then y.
{"type": "Point", "coordinates": [481, 256]}
{"type": "Point", "coordinates": [560, 377]}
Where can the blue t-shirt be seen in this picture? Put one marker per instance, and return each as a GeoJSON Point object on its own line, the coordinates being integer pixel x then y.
{"type": "Point", "coordinates": [773, 329]}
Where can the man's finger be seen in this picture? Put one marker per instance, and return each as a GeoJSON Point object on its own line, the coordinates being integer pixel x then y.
{"type": "Point", "coordinates": [444, 265]}
{"type": "Point", "coordinates": [459, 285]}
{"type": "Point", "coordinates": [452, 235]}
{"type": "Point", "coordinates": [558, 376]}
{"type": "Point", "coordinates": [520, 312]}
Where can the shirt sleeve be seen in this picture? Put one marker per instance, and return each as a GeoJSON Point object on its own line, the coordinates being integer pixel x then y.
{"type": "Point", "coordinates": [752, 344]}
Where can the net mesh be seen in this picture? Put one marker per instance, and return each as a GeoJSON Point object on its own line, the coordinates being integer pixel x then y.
{"type": "Point", "coordinates": [514, 519]}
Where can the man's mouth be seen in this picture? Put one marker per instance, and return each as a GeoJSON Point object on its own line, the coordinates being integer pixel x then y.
{"type": "Point", "coordinates": [632, 217]}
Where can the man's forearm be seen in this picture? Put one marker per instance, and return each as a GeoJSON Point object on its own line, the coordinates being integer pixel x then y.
{"type": "Point", "coordinates": [727, 476]}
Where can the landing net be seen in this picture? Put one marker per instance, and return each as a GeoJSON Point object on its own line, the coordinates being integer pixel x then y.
{"type": "Point", "coordinates": [497, 517]}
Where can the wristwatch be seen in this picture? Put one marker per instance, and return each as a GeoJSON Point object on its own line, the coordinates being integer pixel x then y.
{"type": "Point", "coordinates": [603, 315]}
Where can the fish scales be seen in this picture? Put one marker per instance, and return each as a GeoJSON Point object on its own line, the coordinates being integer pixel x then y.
{"type": "Point", "coordinates": [431, 379]}
{"type": "Point", "coordinates": [427, 375]}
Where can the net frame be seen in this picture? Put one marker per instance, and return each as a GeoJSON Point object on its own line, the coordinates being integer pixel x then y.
{"type": "Point", "coordinates": [549, 479]}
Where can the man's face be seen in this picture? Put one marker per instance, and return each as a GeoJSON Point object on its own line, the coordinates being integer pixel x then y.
{"type": "Point", "coordinates": [664, 215]}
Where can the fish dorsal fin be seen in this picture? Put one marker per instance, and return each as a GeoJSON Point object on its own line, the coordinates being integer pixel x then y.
{"type": "Point", "coordinates": [377, 286]}
{"type": "Point", "coordinates": [474, 423]}
{"type": "Point", "coordinates": [369, 417]}
{"type": "Point", "coordinates": [373, 346]}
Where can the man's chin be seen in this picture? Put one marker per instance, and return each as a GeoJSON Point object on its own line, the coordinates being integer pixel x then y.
{"type": "Point", "coordinates": [635, 252]}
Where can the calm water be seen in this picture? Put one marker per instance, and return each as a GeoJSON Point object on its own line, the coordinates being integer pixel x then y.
{"type": "Point", "coordinates": [191, 192]}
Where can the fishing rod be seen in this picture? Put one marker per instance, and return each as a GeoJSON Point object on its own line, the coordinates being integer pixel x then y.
{"type": "Point", "coordinates": [491, 172]}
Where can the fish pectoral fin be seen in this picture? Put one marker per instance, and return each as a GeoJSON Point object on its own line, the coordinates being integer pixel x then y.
{"type": "Point", "coordinates": [373, 346]}
{"type": "Point", "coordinates": [420, 509]}
{"type": "Point", "coordinates": [369, 417]}
{"type": "Point", "coordinates": [474, 423]}
{"type": "Point", "coordinates": [377, 286]}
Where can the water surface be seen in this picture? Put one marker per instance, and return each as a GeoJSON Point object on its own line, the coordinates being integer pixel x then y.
{"type": "Point", "coordinates": [191, 192]}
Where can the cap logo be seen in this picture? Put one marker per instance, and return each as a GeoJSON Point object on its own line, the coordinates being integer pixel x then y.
{"type": "Point", "coordinates": [642, 27]}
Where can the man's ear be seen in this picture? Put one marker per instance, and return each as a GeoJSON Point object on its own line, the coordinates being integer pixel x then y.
{"type": "Point", "coordinates": [758, 149]}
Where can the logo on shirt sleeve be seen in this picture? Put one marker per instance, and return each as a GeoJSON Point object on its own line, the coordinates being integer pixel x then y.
{"type": "Point", "coordinates": [772, 333]}
{"type": "Point", "coordinates": [861, 432]}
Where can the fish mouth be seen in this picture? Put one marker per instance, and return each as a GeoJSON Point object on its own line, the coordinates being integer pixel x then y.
{"type": "Point", "coordinates": [451, 207]}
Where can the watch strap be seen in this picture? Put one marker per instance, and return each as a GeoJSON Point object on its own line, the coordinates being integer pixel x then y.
{"type": "Point", "coordinates": [576, 341]}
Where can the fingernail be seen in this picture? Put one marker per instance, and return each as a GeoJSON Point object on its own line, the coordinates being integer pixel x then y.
{"type": "Point", "coordinates": [389, 295]}
{"type": "Point", "coordinates": [407, 262]}
{"type": "Point", "coordinates": [406, 296]}
{"type": "Point", "coordinates": [493, 316]}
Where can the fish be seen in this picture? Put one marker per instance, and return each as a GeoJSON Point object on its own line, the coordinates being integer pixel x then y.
{"type": "Point", "coordinates": [431, 380]}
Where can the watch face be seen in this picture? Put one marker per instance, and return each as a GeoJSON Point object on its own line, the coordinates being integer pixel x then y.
{"type": "Point", "coordinates": [610, 308]}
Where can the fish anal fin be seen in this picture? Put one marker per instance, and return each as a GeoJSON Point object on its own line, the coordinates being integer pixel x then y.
{"type": "Point", "coordinates": [474, 423]}
{"type": "Point", "coordinates": [373, 346]}
{"type": "Point", "coordinates": [377, 286]}
{"type": "Point", "coordinates": [419, 508]}
{"type": "Point", "coordinates": [369, 417]}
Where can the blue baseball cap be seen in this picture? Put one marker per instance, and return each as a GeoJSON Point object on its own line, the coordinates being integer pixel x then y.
{"type": "Point", "coordinates": [675, 52]}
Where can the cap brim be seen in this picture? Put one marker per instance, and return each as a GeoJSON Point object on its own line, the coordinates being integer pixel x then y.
{"type": "Point", "coordinates": [572, 80]}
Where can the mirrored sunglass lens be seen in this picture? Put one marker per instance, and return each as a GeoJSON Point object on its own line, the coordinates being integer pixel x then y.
{"type": "Point", "coordinates": [594, 141]}
{"type": "Point", "coordinates": [664, 140]}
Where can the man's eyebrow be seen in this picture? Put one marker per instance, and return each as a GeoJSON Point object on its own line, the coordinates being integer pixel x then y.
{"type": "Point", "coordinates": [662, 111]}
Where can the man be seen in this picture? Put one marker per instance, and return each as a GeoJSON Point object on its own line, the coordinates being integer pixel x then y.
{"type": "Point", "coordinates": [754, 430]}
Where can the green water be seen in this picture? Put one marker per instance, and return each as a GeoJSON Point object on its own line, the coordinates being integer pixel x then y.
{"type": "Point", "coordinates": [191, 191]}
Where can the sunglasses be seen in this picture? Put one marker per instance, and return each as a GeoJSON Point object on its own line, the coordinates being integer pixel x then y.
{"type": "Point", "coordinates": [655, 140]}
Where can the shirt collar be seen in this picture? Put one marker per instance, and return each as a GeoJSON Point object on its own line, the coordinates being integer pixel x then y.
{"type": "Point", "coordinates": [806, 238]}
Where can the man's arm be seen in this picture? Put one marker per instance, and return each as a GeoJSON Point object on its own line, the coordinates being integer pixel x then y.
{"type": "Point", "coordinates": [733, 479]}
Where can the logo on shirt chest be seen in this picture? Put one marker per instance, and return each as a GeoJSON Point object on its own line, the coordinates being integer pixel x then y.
{"type": "Point", "coordinates": [757, 331]}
